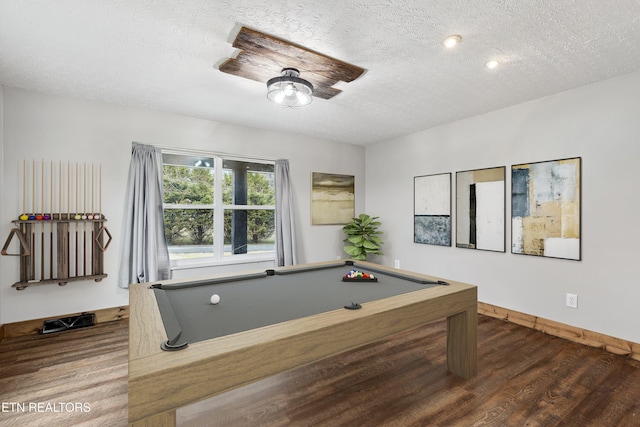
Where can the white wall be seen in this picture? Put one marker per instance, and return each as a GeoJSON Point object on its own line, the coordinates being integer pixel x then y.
{"type": "Point", "coordinates": [38, 126]}
{"type": "Point", "coordinates": [3, 220]}
{"type": "Point", "coordinates": [601, 124]}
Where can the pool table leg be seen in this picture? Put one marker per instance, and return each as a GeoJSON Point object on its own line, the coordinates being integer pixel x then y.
{"type": "Point", "coordinates": [164, 419]}
{"type": "Point", "coordinates": [462, 343]}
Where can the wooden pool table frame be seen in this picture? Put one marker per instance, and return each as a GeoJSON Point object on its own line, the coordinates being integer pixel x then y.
{"type": "Point", "coordinates": [160, 382]}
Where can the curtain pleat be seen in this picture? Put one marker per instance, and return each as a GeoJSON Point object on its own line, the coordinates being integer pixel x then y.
{"type": "Point", "coordinates": [144, 254]}
{"type": "Point", "coordinates": [285, 224]}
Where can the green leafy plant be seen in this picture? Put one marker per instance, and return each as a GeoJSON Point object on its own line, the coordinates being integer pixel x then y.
{"type": "Point", "coordinates": [362, 237]}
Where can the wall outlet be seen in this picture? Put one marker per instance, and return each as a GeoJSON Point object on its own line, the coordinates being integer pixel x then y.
{"type": "Point", "coordinates": [339, 257]}
{"type": "Point", "coordinates": [396, 263]}
{"type": "Point", "coordinates": [572, 300]}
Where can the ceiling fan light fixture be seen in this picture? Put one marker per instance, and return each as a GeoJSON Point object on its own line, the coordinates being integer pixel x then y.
{"type": "Point", "coordinates": [289, 90]}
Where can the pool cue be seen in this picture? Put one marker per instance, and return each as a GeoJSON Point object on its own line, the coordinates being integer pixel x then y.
{"type": "Point", "coordinates": [84, 191]}
{"type": "Point", "coordinates": [24, 186]}
{"type": "Point", "coordinates": [33, 188]}
{"type": "Point", "coordinates": [60, 190]}
{"type": "Point", "coordinates": [33, 207]}
{"type": "Point", "coordinates": [90, 216]}
{"type": "Point", "coordinates": [76, 217]}
{"type": "Point", "coordinates": [42, 186]}
{"type": "Point", "coordinates": [60, 176]}
{"type": "Point", "coordinates": [84, 216]}
{"type": "Point", "coordinates": [99, 216]}
{"type": "Point", "coordinates": [51, 223]}
{"type": "Point", "coordinates": [68, 190]}
{"type": "Point", "coordinates": [42, 225]}
{"type": "Point", "coordinates": [93, 187]}
{"type": "Point", "coordinates": [23, 215]}
{"type": "Point", "coordinates": [68, 218]}
{"type": "Point", "coordinates": [76, 182]}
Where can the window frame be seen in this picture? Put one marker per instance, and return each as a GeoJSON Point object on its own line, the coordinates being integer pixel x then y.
{"type": "Point", "coordinates": [218, 256]}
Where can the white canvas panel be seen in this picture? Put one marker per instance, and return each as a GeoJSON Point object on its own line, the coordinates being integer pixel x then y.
{"type": "Point", "coordinates": [558, 247]}
{"type": "Point", "coordinates": [433, 195]}
{"type": "Point", "coordinates": [490, 215]}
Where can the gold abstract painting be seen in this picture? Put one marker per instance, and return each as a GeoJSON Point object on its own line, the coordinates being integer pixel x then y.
{"type": "Point", "coordinates": [545, 209]}
{"type": "Point", "coordinates": [332, 198]}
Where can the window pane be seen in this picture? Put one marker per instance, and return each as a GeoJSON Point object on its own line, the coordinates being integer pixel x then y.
{"type": "Point", "coordinates": [227, 186]}
{"type": "Point", "coordinates": [247, 183]}
{"type": "Point", "coordinates": [189, 232]}
{"type": "Point", "coordinates": [249, 231]}
{"type": "Point", "coordinates": [188, 185]}
{"type": "Point", "coordinates": [187, 160]}
{"type": "Point", "coordinates": [261, 189]}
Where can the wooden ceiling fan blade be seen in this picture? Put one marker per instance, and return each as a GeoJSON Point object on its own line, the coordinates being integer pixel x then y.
{"type": "Point", "coordinates": [263, 57]}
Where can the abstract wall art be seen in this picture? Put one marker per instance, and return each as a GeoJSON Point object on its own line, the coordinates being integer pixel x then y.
{"type": "Point", "coordinates": [432, 209]}
{"type": "Point", "coordinates": [332, 198]}
{"type": "Point", "coordinates": [480, 209]}
{"type": "Point", "coordinates": [545, 209]}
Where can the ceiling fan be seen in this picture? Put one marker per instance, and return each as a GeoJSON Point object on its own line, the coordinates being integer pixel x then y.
{"type": "Point", "coordinates": [262, 57]}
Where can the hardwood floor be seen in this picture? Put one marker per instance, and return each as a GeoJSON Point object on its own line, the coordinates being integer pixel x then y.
{"type": "Point", "coordinates": [526, 378]}
{"type": "Point", "coordinates": [74, 378]}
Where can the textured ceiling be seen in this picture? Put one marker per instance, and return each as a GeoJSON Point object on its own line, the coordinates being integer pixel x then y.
{"type": "Point", "coordinates": [163, 55]}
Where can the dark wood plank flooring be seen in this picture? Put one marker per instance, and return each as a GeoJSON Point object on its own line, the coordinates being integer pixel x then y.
{"type": "Point", "coordinates": [73, 378]}
{"type": "Point", "coordinates": [526, 378]}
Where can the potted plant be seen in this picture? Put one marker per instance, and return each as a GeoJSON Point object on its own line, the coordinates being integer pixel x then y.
{"type": "Point", "coordinates": [362, 237]}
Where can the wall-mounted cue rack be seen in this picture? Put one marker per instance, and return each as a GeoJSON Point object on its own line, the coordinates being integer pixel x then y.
{"type": "Point", "coordinates": [65, 246]}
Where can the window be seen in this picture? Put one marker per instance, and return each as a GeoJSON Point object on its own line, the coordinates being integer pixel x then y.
{"type": "Point", "coordinates": [218, 208]}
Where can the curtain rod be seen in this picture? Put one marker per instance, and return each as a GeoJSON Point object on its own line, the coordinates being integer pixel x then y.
{"type": "Point", "coordinates": [175, 150]}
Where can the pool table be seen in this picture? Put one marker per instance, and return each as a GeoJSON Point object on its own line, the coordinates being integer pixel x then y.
{"type": "Point", "coordinates": [183, 348]}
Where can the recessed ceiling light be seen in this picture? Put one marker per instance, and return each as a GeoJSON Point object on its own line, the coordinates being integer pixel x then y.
{"type": "Point", "coordinates": [491, 64]}
{"type": "Point", "coordinates": [451, 41]}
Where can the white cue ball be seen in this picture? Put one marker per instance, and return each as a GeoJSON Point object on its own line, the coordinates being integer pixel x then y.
{"type": "Point", "coordinates": [215, 298]}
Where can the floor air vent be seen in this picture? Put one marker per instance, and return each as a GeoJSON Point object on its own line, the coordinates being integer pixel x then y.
{"type": "Point", "coordinates": [68, 323]}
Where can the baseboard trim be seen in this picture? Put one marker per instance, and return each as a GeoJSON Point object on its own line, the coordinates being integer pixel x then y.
{"type": "Point", "coordinates": [571, 333]}
{"type": "Point", "coordinates": [30, 327]}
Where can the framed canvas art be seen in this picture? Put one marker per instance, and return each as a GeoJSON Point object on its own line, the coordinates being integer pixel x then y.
{"type": "Point", "coordinates": [432, 209]}
{"type": "Point", "coordinates": [546, 209]}
{"type": "Point", "coordinates": [332, 198]}
{"type": "Point", "coordinates": [480, 209]}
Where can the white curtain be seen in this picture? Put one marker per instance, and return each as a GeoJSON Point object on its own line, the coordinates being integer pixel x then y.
{"type": "Point", "coordinates": [144, 254]}
{"type": "Point", "coordinates": [285, 224]}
